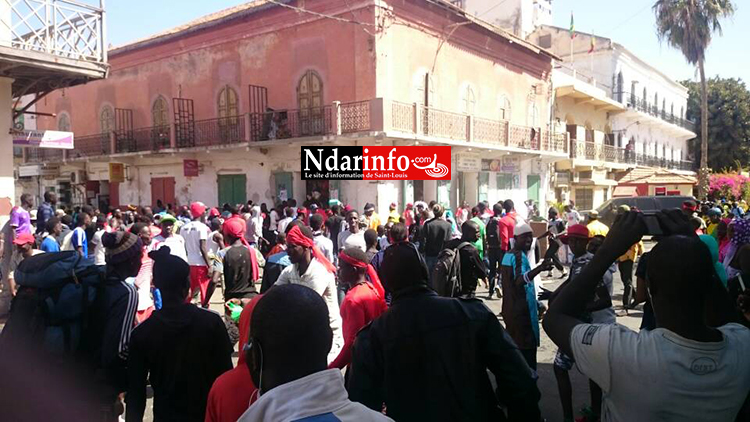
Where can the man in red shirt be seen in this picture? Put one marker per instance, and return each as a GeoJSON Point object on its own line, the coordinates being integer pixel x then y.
{"type": "Point", "coordinates": [364, 301]}
{"type": "Point", "coordinates": [507, 224]}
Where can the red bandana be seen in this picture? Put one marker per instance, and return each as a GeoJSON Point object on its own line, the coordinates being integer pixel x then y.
{"type": "Point", "coordinates": [371, 273]}
{"type": "Point", "coordinates": [295, 237]}
{"type": "Point", "coordinates": [235, 227]}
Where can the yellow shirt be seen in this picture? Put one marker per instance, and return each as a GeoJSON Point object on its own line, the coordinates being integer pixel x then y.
{"type": "Point", "coordinates": [634, 252]}
{"type": "Point", "coordinates": [597, 228]}
{"type": "Point", "coordinates": [373, 221]}
{"type": "Point", "coordinates": [711, 228]}
{"type": "Point", "coordinates": [393, 217]}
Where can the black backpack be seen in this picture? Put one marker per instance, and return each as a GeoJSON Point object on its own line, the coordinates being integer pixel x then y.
{"type": "Point", "coordinates": [446, 274]}
{"type": "Point", "coordinates": [493, 232]}
{"type": "Point", "coordinates": [50, 311]}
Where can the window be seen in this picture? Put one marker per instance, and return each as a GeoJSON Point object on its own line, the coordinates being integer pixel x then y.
{"type": "Point", "coordinates": [585, 198]}
{"type": "Point", "coordinates": [424, 89]}
{"type": "Point", "coordinates": [468, 100]}
{"type": "Point", "coordinates": [545, 41]}
{"type": "Point", "coordinates": [532, 116]}
{"type": "Point", "coordinates": [620, 86]}
{"type": "Point", "coordinates": [63, 122]}
{"type": "Point", "coordinates": [663, 106]}
{"type": "Point", "coordinates": [671, 110]}
{"type": "Point", "coordinates": [504, 108]}
{"type": "Point", "coordinates": [645, 97]}
{"type": "Point", "coordinates": [504, 181]}
{"type": "Point", "coordinates": [227, 102]}
{"type": "Point", "coordinates": [632, 93]}
{"type": "Point", "coordinates": [682, 112]}
{"type": "Point", "coordinates": [310, 100]}
{"type": "Point", "coordinates": [159, 112]}
{"type": "Point", "coordinates": [656, 102]}
{"type": "Point", "coordinates": [106, 119]}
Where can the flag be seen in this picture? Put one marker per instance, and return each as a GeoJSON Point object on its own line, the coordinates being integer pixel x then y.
{"type": "Point", "coordinates": [591, 49]}
{"type": "Point", "coordinates": [572, 27]}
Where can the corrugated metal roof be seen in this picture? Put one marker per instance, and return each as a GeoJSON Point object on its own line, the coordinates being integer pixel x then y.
{"type": "Point", "coordinates": [656, 177]}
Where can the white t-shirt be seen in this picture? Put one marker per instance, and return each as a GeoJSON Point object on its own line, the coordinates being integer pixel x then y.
{"type": "Point", "coordinates": [325, 245]}
{"type": "Point", "coordinates": [659, 376]}
{"type": "Point", "coordinates": [348, 239]}
{"type": "Point", "coordinates": [99, 255]}
{"type": "Point", "coordinates": [318, 278]}
{"type": "Point", "coordinates": [274, 216]}
{"type": "Point", "coordinates": [283, 223]}
{"type": "Point", "coordinates": [175, 242]}
{"type": "Point", "coordinates": [193, 232]}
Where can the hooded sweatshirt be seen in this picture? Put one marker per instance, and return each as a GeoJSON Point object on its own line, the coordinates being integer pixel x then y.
{"type": "Point", "coordinates": [182, 350]}
{"type": "Point", "coordinates": [317, 397]}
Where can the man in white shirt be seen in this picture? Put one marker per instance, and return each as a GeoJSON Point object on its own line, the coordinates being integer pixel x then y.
{"type": "Point", "coordinates": [167, 238]}
{"type": "Point", "coordinates": [289, 216]}
{"type": "Point", "coordinates": [312, 269]}
{"type": "Point", "coordinates": [274, 216]}
{"type": "Point", "coordinates": [99, 258]}
{"type": "Point", "coordinates": [196, 235]}
{"type": "Point", "coordinates": [683, 370]}
{"type": "Point", "coordinates": [353, 236]}
{"type": "Point", "coordinates": [321, 241]}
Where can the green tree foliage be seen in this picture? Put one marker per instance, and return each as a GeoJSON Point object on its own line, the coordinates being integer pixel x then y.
{"type": "Point", "coordinates": [728, 122]}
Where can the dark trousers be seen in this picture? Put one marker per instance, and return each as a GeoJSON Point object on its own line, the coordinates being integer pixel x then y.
{"type": "Point", "coordinates": [556, 262]}
{"type": "Point", "coordinates": [530, 356]}
{"type": "Point", "coordinates": [626, 274]}
{"type": "Point", "coordinates": [495, 258]}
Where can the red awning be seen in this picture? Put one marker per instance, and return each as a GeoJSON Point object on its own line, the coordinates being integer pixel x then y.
{"type": "Point", "coordinates": [625, 191]}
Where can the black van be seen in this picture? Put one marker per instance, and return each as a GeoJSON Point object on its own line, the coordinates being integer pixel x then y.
{"type": "Point", "coordinates": [608, 210]}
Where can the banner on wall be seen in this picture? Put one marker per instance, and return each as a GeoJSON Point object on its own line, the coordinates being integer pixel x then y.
{"type": "Point", "coordinates": [508, 164]}
{"type": "Point", "coordinates": [468, 161]}
{"type": "Point", "coordinates": [376, 163]}
{"type": "Point", "coordinates": [42, 139]}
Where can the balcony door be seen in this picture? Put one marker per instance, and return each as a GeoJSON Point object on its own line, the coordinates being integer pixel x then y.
{"type": "Point", "coordinates": [310, 100]}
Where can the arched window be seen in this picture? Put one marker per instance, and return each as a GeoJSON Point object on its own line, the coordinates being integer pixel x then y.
{"type": "Point", "coordinates": [468, 100]}
{"type": "Point", "coordinates": [655, 107]}
{"type": "Point", "coordinates": [63, 122]}
{"type": "Point", "coordinates": [645, 99]}
{"type": "Point", "coordinates": [227, 103]}
{"type": "Point", "coordinates": [663, 106]}
{"type": "Point", "coordinates": [632, 93]}
{"type": "Point", "coordinates": [106, 119]}
{"type": "Point", "coordinates": [310, 100]}
{"type": "Point", "coordinates": [671, 110]}
{"type": "Point", "coordinates": [682, 112]}
{"type": "Point", "coordinates": [504, 108]}
{"type": "Point", "coordinates": [532, 116]}
{"type": "Point", "coordinates": [160, 112]}
{"type": "Point", "coordinates": [424, 89]}
{"type": "Point", "coordinates": [620, 86]}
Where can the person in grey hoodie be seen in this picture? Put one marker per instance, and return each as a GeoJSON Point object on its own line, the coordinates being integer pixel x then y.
{"type": "Point", "coordinates": [287, 357]}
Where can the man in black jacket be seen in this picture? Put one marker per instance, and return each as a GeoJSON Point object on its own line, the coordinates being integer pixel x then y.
{"type": "Point", "coordinates": [181, 349]}
{"type": "Point", "coordinates": [435, 233]}
{"type": "Point", "coordinates": [427, 357]}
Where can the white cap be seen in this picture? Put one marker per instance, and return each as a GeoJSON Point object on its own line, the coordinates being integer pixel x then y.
{"type": "Point", "coordinates": [522, 228]}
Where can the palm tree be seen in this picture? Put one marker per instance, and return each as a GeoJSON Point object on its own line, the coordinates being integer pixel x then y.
{"type": "Point", "coordinates": [688, 25]}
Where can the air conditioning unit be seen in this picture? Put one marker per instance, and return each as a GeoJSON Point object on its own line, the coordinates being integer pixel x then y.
{"type": "Point", "coordinates": [78, 176]}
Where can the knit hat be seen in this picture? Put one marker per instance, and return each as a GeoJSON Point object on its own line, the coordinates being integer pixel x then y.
{"type": "Point", "coordinates": [522, 229]}
{"type": "Point", "coordinates": [170, 272]}
{"type": "Point", "coordinates": [121, 246]}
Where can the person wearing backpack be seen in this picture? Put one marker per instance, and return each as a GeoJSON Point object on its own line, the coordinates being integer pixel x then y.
{"type": "Point", "coordinates": [494, 251]}
{"type": "Point", "coordinates": [434, 234]}
{"type": "Point", "coordinates": [471, 266]}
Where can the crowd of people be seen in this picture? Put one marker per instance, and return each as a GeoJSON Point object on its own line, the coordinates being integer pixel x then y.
{"type": "Point", "coordinates": [337, 315]}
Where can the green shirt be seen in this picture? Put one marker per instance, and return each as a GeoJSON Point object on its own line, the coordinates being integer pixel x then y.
{"type": "Point", "coordinates": [479, 244]}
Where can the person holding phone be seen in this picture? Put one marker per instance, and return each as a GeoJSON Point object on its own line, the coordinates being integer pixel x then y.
{"type": "Point", "coordinates": [692, 366]}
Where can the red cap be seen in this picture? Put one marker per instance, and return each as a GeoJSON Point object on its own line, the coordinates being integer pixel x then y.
{"type": "Point", "coordinates": [197, 209]}
{"type": "Point", "coordinates": [214, 212]}
{"type": "Point", "coordinates": [577, 230]}
{"type": "Point", "coordinates": [24, 239]}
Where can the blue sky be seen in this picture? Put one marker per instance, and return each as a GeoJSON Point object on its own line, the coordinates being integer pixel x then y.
{"type": "Point", "coordinates": [629, 23]}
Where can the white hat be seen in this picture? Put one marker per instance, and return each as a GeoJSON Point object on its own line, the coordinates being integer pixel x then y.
{"type": "Point", "coordinates": [522, 228]}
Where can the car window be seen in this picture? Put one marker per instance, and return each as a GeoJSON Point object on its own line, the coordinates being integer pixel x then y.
{"type": "Point", "coordinates": [645, 204]}
{"type": "Point", "coordinates": [669, 202]}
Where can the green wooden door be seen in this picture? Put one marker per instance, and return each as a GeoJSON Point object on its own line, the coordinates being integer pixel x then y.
{"type": "Point", "coordinates": [533, 181]}
{"type": "Point", "coordinates": [232, 189]}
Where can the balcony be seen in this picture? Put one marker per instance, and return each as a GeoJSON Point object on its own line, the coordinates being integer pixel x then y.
{"type": "Point", "coordinates": [369, 118]}
{"type": "Point", "coordinates": [593, 153]}
{"type": "Point", "coordinates": [45, 44]}
{"type": "Point", "coordinates": [639, 104]}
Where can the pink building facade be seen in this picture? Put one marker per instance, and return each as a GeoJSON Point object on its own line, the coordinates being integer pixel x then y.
{"type": "Point", "coordinates": [241, 90]}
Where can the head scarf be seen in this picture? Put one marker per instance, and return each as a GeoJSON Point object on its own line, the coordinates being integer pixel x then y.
{"type": "Point", "coordinates": [741, 233]}
{"type": "Point", "coordinates": [295, 237]}
{"type": "Point", "coordinates": [713, 247]}
{"type": "Point", "coordinates": [235, 227]}
{"type": "Point", "coordinates": [371, 273]}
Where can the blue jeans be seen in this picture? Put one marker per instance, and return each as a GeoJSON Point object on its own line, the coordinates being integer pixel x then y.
{"type": "Point", "coordinates": [430, 261]}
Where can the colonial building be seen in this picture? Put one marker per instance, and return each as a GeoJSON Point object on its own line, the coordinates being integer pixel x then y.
{"type": "Point", "coordinates": [619, 111]}
{"type": "Point", "coordinates": [216, 110]}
